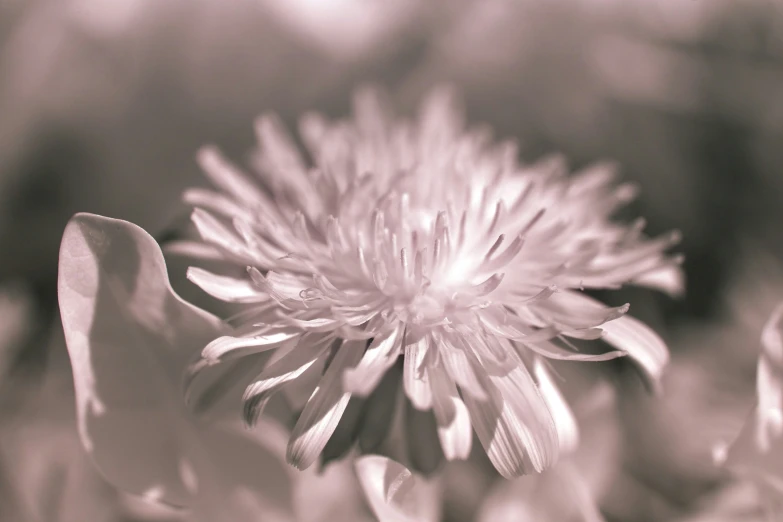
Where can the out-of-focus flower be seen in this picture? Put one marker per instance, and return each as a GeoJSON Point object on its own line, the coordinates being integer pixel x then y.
{"type": "Point", "coordinates": [426, 242]}
{"type": "Point", "coordinates": [394, 493]}
{"type": "Point", "coordinates": [757, 453]}
{"type": "Point", "coordinates": [737, 502]}
{"type": "Point", "coordinates": [346, 29]}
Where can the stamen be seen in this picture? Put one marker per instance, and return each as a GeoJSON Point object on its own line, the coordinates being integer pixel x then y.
{"type": "Point", "coordinates": [494, 247]}
{"type": "Point", "coordinates": [495, 218]}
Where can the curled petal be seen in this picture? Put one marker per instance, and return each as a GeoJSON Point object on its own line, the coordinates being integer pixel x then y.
{"type": "Point", "coordinates": [552, 350]}
{"type": "Point", "coordinates": [394, 493]}
{"type": "Point", "coordinates": [639, 341]}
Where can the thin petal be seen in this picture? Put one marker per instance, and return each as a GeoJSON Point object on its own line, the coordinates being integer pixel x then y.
{"type": "Point", "coordinates": [459, 367]}
{"type": "Point", "coordinates": [565, 422]}
{"type": "Point", "coordinates": [289, 367]}
{"type": "Point", "coordinates": [514, 425]}
{"type": "Point", "coordinates": [551, 350]}
{"type": "Point", "coordinates": [379, 357]}
{"type": "Point", "coordinates": [630, 335]}
{"type": "Point", "coordinates": [324, 409]}
{"type": "Point", "coordinates": [344, 436]}
{"type": "Point", "coordinates": [669, 279]}
{"type": "Point", "coordinates": [229, 346]}
{"type": "Point", "coordinates": [225, 288]}
{"type": "Point", "coordinates": [226, 176]}
{"type": "Point", "coordinates": [217, 233]}
{"type": "Point", "coordinates": [451, 414]}
{"type": "Point", "coordinates": [641, 343]}
{"type": "Point", "coordinates": [415, 380]}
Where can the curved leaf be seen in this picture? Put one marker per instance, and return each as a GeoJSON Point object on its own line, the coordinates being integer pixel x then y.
{"type": "Point", "coordinates": [130, 337]}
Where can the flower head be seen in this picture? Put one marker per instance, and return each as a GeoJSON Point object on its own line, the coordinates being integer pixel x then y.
{"type": "Point", "coordinates": [420, 254]}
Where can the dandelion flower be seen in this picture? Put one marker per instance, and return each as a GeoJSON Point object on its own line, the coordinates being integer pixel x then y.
{"type": "Point", "coordinates": [419, 254]}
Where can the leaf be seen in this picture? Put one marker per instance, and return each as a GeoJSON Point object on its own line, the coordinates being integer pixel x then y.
{"type": "Point", "coordinates": [130, 338]}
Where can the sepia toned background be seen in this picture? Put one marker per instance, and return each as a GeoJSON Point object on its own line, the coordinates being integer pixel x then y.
{"type": "Point", "coordinates": [104, 104]}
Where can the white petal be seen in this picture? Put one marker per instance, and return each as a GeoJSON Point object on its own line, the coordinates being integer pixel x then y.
{"type": "Point", "coordinates": [324, 409]}
{"type": "Point", "coordinates": [641, 343]}
{"type": "Point", "coordinates": [459, 367]}
{"type": "Point", "coordinates": [552, 351]}
{"type": "Point", "coordinates": [194, 250]}
{"type": "Point", "coordinates": [217, 203]}
{"type": "Point", "coordinates": [630, 335]}
{"type": "Point", "coordinates": [379, 357]}
{"type": "Point", "coordinates": [576, 310]}
{"type": "Point", "coordinates": [226, 176]}
{"type": "Point", "coordinates": [669, 279]}
{"type": "Point", "coordinates": [230, 346]}
{"type": "Point", "coordinates": [565, 422]}
{"type": "Point", "coordinates": [451, 414]}
{"type": "Point", "coordinates": [225, 288]}
{"type": "Point", "coordinates": [217, 233]}
{"type": "Point", "coordinates": [415, 380]}
{"type": "Point", "coordinates": [514, 425]}
{"type": "Point", "coordinates": [289, 367]}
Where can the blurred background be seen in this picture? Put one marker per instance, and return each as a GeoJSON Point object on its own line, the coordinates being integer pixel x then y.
{"type": "Point", "coordinates": [104, 103]}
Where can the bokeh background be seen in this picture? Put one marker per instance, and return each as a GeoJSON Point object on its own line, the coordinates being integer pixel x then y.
{"type": "Point", "coordinates": [104, 103]}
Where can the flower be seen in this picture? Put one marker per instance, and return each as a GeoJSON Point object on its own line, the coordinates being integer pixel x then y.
{"type": "Point", "coordinates": [130, 337]}
{"type": "Point", "coordinates": [755, 455]}
{"type": "Point", "coordinates": [420, 254]}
